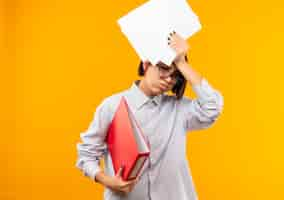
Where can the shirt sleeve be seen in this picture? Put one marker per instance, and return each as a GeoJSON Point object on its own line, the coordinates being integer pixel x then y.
{"type": "Point", "coordinates": [93, 145]}
{"type": "Point", "coordinates": [203, 111]}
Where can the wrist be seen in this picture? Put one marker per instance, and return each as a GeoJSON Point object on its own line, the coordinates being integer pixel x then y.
{"type": "Point", "coordinates": [180, 60]}
{"type": "Point", "coordinates": [102, 178]}
{"type": "Point", "coordinates": [181, 64]}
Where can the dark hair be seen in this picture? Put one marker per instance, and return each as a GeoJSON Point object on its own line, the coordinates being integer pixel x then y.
{"type": "Point", "coordinates": [180, 85]}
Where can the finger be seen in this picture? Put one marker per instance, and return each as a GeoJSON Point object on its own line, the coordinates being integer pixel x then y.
{"type": "Point", "coordinates": [125, 184]}
{"type": "Point", "coordinates": [163, 87]}
{"type": "Point", "coordinates": [136, 180]}
{"type": "Point", "coordinates": [126, 190]}
{"type": "Point", "coordinates": [131, 187]}
{"type": "Point", "coordinates": [164, 84]}
{"type": "Point", "coordinates": [119, 172]}
{"type": "Point", "coordinates": [172, 38]}
{"type": "Point", "coordinates": [131, 182]}
{"type": "Point", "coordinates": [170, 42]}
{"type": "Point", "coordinates": [174, 46]}
{"type": "Point", "coordinates": [128, 183]}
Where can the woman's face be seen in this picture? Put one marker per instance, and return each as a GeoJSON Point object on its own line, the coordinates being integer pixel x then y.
{"type": "Point", "coordinates": [159, 78]}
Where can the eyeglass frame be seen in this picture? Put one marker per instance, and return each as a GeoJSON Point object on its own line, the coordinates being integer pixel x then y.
{"type": "Point", "coordinates": [161, 67]}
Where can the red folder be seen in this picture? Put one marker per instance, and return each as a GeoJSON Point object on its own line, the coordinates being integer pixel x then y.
{"type": "Point", "coordinates": [126, 142]}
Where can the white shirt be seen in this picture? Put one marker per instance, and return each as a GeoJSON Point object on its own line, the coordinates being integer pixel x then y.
{"type": "Point", "coordinates": [165, 122]}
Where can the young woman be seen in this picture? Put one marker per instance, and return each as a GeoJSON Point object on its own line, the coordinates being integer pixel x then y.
{"type": "Point", "coordinates": [165, 120]}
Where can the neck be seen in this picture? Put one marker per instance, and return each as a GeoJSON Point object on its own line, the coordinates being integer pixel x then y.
{"type": "Point", "coordinates": [143, 86]}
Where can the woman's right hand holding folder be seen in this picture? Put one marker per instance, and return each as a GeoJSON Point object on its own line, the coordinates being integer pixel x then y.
{"type": "Point", "coordinates": [116, 183]}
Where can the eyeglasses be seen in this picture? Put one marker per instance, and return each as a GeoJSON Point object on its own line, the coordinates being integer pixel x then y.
{"type": "Point", "coordinates": [166, 71]}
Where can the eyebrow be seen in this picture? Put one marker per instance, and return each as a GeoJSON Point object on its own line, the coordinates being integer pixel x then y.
{"type": "Point", "coordinates": [167, 68]}
{"type": "Point", "coordinates": [164, 66]}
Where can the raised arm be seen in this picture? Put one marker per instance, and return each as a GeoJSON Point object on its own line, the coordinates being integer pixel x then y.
{"type": "Point", "coordinates": [204, 110]}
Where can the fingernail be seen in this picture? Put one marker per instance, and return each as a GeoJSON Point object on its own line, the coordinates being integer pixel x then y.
{"type": "Point", "coordinates": [174, 32]}
{"type": "Point", "coordinates": [168, 38]}
{"type": "Point", "coordinates": [171, 34]}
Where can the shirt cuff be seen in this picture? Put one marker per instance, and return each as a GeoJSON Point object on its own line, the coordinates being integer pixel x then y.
{"type": "Point", "coordinates": [90, 169]}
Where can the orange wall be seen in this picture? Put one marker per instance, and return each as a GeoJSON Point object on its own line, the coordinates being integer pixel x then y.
{"type": "Point", "coordinates": [64, 57]}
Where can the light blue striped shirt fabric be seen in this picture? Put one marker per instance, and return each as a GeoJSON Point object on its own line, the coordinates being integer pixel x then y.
{"type": "Point", "coordinates": [165, 121]}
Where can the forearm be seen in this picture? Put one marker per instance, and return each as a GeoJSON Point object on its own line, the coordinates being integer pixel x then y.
{"type": "Point", "coordinates": [103, 179]}
{"type": "Point", "coordinates": [192, 76]}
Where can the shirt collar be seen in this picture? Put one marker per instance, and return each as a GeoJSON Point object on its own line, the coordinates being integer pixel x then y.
{"type": "Point", "coordinates": [139, 98]}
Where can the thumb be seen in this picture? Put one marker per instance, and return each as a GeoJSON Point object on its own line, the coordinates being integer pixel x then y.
{"type": "Point", "coordinates": [119, 172]}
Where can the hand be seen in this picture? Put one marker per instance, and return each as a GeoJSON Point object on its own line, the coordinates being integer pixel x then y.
{"type": "Point", "coordinates": [180, 46]}
{"type": "Point", "coordinates": [121, 187]}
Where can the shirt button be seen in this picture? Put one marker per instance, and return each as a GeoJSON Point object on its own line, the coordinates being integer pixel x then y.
{"type": "Point", "coordinates": [151, 103]}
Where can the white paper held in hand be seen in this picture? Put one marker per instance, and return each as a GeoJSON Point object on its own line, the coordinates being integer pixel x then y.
{"type": "Point", "coordinates": [147, 28]}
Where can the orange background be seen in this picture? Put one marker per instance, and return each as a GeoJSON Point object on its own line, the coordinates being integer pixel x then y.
{"type": "Point", "coordinates": [60, 58]}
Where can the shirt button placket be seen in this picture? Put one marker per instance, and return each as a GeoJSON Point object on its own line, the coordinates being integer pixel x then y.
{"type": "Point", "coordinates": [149, 110]}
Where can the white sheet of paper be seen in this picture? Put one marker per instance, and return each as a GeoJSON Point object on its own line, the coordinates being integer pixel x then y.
{"type": "Point", "coordinates": [147, 28]}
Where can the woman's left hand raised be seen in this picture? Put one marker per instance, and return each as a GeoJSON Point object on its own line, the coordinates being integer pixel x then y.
{"type": "Point", "coordinates": [177, 43]}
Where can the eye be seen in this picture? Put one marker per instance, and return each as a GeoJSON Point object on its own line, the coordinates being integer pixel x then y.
{"type": "Point", "coordinates": [165, 68]}
{"type": "Point", "coordinates": [174, 74]}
